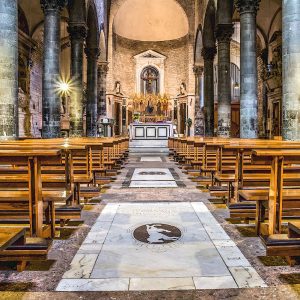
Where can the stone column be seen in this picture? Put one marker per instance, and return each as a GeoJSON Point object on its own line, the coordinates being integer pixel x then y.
{"type": "Point", "coordinates": [199, 117]}
{"type": "Point", "coordinates": [209, 54]}
{"type": "Point", "coordinates": [92, 55]}
{"type": "Point", "coordinates": [291, 70]}
{"type": "Point", "coordinates": [224, 33]}
{"type": "Point", "coordinates": [249, 98]}
{"type": "Point", "coordinates": [77, 34]}
{"type": "Point", "coordinates": [51, 68]}
{"type": "Point", "coordinates": [102, 73]}
{"type": "Point", "coordinates": [8, 69]}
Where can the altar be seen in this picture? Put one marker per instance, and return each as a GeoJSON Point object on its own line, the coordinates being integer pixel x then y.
{"type": "Point", "coordinates": [151, 131]}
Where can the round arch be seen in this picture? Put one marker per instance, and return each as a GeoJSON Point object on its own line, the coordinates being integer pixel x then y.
{"type": "Point", "coordinates": [102, 46]}
{"type": "Point", "coordinates": [198, 59]}
{"type": "Point", "coordinates": [150, 80]}
{"type": "Point", "coordinates": [209, 39]}
{"type": "Point", "coordinates": [92, 40]}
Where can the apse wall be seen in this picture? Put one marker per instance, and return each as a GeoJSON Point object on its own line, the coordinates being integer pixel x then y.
{"type": "Point", "coordinates": [176, 65]}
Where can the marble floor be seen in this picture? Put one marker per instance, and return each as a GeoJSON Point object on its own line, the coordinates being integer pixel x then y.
{"type": "Point", "coordinates": [152, 178]}
{"type": "Point", "coordinates": [154, 245]}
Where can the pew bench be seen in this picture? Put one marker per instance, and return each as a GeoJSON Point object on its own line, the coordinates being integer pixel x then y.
{"type": "Point", "coordinates": [283, 245]}
{"type": "Point", "coordinates": [16, 248]}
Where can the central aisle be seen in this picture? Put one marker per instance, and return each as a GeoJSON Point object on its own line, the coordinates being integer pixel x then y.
{"type": "Point", "coordinates": [155, 233]}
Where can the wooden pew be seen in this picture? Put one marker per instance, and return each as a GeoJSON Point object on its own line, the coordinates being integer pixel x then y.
{"type": "Point", "coordinates": [14, 247]}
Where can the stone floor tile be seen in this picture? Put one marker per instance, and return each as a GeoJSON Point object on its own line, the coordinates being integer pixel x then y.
{"type": "Point", "coordinates": [93, 285]}
{"type": "Point", "coordinates": [81, 266]}
{"type": "Point", "coordinates": [211, 283]}
{"type": "Point", "coordinates": [161, 284]}
{"type": "Point", "coordinates": [247, 277]}
{"type": "Point", "coordinates": [153, 184]}
{"type": "Point", "coordinates": [150, 158]}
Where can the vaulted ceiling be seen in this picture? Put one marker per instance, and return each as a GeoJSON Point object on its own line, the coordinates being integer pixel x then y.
{"type": "Point", "coordinates": [155, 20]}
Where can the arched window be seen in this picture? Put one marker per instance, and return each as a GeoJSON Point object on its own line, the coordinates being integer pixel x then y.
{"type": "Point", "coordinates": [150, 81]}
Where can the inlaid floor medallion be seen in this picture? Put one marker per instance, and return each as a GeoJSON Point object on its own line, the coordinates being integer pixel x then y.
{"type": "Point", "coordinates": [157, 234]}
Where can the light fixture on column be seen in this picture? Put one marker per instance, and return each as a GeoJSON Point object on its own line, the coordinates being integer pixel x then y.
{"type": "Point", "coordinates": [64, 87]}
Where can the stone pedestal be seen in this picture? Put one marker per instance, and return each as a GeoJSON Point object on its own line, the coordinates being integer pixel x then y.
{"type": "Point", "coordinates": [77, 34]}
{"type": "Point", "coordinates": [51, 77]}
{"type": "Point", "coordinates": [8, 69]}
{"type": "Point", "coordinates": [208, 56]}
{"type": "Point", "coordinates": [249, 98]}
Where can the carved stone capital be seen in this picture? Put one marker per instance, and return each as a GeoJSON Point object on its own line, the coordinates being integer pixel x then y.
{"type": "Point", "coordinates": [102, 69]}
{"type": "Point", "coordinates": [224, 32]}
{"type": "Point", "coordinates": [77, 31]}
{"type": "Point", "coordinates": [92, 53]}
{"type": "Point", "coordinates": [198, 70]}
{"type": "Point", "coordinates": [48, 5]}
{"type": "Point", "coordinates": [209, 53]}
{"type": "Point", "coordinates": [247, 6]}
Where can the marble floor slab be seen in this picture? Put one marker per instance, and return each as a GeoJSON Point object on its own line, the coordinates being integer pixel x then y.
{"type": "Point", "coordinates": [152, 174]}
{"type": "Point", "coordinates": [158, 246]}
{"type": "Point", "coordinates": [150, 159]}
{"type": "Point", "coordinates": [152, 184]}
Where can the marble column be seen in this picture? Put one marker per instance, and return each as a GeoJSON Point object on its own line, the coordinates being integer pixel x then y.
{"type": "Point", "coordinates": [92, 55]}
{"type": "Point", "coordinates": [224, 33]}
{"type": "Point", "coordinates": [249, 94]}
{"type": "Point", "coordinates": [291, 70]}
{"type": "Point", "coordinates": [102, 73]}
{"type": "Point", "coordinates": [77, 35]}
{"type": "Point", "coordinates": [199, 117]}
{"type": "Point", "coordinates": [209, 54]}
{"type": "Point", "coordinates": [51, 68]}
{"type": "Point", "coordinates": [8, 69]}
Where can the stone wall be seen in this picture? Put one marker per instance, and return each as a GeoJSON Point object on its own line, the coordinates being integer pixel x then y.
{"type": "Point", "coordinates": [178, 65]}
{"type": "Point", "coordinates": [36, 76]}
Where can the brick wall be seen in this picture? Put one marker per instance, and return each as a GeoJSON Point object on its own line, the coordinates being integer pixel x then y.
{"type": "Point", "coordinates": [178, 65]}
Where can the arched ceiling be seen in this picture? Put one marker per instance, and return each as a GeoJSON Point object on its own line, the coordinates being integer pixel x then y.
{"type": "Point", "coordinates": [155, 20]}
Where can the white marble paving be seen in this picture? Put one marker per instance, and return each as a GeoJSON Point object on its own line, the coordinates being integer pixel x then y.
{"type": "Point", "coordinates": [231, 254]}
{"type": "Point", "coordinates": [161, 284]}
{"type": "Point", "coordinates": [152, 174]}
{"type": "Point", "coordinates": [81, 266]}
{"type": "Point", "coordinates": [208, 283]}
{"type": "Point", "coordinates": [247, 277]}
{"type": "Point", "coordinates": [93, 285]}
{"type": "Point", "coordinates": [153, 184]}
{"type": "Point", "coordinates": [150, 159]}
{"type": "Point", "coordinates": [202, 256]}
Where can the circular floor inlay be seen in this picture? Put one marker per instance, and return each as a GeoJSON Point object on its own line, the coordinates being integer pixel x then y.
{"type": "Point", "coordinates": [157, 234]}
{"type": "Point", "coordinates": [152, 173]}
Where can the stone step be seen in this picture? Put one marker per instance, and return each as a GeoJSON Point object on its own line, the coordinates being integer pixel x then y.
{"type": "Point", "coordinates": [148, 150]}
{"type": "Point", "coordinates": [149, 143]}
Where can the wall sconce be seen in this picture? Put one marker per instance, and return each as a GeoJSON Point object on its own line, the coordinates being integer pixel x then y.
{"type": "Point", "coordinates": [191, 102]}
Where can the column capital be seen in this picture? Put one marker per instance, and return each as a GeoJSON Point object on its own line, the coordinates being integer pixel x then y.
{"type": "Point", "coordinates": [103, 68]}
{"type": "Point", "coordinates": [53, 4]}
{"type": "Point", "coordinates": [198, 70]}
{"type": "Point", "coordinates": [92, 53]}
{"type": "Point", "coordinates": [247, 6]}
{"type": "Point", "coordinates": [224, 32]}
{"type": "Point", "coordinates": [209, 53]}
{"type": "Point", "coordinates": [77, 31]}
